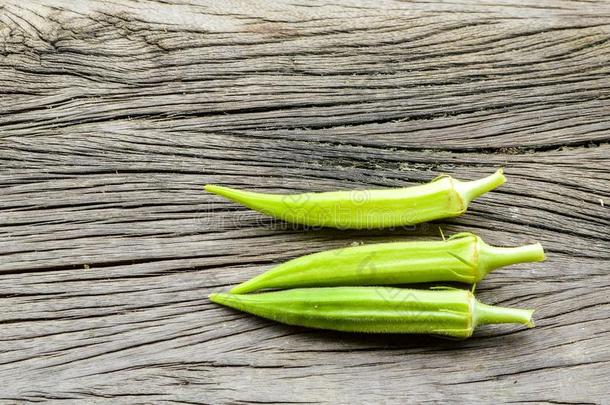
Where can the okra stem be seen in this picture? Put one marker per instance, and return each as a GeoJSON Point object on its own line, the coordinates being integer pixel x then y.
{"type": "Point", "coordinates": [469, 190]}
{"type": "Point", "coordinates": [490, 314]}
{"type": "Point", "coordinates": [493, 257]}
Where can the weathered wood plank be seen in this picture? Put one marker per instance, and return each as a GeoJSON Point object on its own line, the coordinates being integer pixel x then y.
{"type": "Point", "coordinates": [113, 116]}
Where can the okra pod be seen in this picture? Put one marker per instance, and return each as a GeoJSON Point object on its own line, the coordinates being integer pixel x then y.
{"type": "Point", "coordinates": [452, 313]}
{"type": "Point", "coordinates": [464, 258]}
{"type": "Point", "coordinates": [359, 209]}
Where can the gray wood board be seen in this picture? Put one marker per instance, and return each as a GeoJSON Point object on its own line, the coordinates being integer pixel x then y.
{"type": "Point", "coordinates": [113, 115]}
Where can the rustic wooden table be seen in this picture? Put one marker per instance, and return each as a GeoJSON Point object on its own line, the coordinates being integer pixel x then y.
{"type": "Point", "coordinates": [114, 114]}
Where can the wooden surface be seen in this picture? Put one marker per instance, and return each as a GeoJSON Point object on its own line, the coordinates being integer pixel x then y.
{"type": "Point", "coordinates": [114, 114]}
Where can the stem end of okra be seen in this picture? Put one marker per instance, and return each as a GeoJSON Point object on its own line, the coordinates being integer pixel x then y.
{"type": "Point", "coordinates": [492, 257]}
{"type": "Point", "coordinates": [469, 190]}
{"type": "Point", "coordinates": [484, 314]}
{"type": "Point", "coordinates": [532, 253]}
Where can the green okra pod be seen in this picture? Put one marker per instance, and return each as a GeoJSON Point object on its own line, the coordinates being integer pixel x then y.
{"type": "Point", "coordinates": [464, 257]}
{"type": "Point", "coordinates": [360, 209]}
{"type": "Point", "coordinates": [453, 313]}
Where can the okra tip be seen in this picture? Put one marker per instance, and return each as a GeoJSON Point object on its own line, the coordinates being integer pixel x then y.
{"type": "Point", "coordinates": [245, 287]}
{"type": "Point", "coordinates": [242, 197]}
{"type": "Point", "coordinates": [219, 298]}
{"type": "Point", "coordinates": [212, 188]}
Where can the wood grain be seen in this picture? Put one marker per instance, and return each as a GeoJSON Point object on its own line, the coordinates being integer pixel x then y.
{"type": "Point", "coordinates": [114, 114]}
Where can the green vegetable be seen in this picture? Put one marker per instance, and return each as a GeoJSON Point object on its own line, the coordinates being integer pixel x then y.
{"type": "Point", "coordinates": [359, 209]}
{"type": "Point", "coordinates": [462, 258]}
{"type": "Point", "coordinates": [453, 313]}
